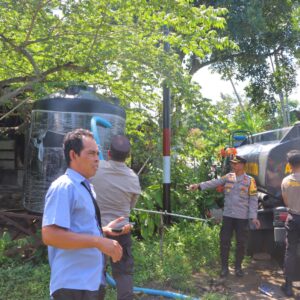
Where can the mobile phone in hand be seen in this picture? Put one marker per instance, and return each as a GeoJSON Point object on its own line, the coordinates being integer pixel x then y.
{"type": "Point", "coordinates": [116, 229]}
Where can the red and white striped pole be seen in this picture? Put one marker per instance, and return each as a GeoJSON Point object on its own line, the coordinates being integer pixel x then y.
{"type": "Point", "coordinates": [166, 142]}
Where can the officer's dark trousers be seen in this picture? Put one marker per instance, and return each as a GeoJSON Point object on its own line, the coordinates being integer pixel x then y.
{"type": "Point", "coordinates": [122, 270]}
{"type": "Point", "coordinates": [292, 226]}
{"type": "Point", "coordinates": [240, 227]}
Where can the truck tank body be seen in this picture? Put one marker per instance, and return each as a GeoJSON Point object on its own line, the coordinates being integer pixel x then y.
{"type": "Point", "coordinates": [266, 158]}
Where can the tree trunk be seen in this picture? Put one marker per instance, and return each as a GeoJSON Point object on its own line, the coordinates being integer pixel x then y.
{"type": "Point", "coordinates": [237, 95]}
{"type": "Point", "coordinates": [284, 108]}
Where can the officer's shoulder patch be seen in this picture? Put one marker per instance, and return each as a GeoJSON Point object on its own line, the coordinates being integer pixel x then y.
{"type": "Point", "coordinates": [252, 187]}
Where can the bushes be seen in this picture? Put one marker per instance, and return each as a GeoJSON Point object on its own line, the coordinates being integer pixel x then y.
{"type": "Point", "coordinates": [161, 262]}
{"type": "Point", "coordinates": [199, 240]}
{"type": "Point", "coordinates": [171, 260]}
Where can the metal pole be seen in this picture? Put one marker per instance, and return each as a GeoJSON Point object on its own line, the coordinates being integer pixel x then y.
{"type": "Point", "coordinates": [166, 141]}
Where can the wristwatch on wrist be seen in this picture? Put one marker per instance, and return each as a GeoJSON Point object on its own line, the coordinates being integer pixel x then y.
{"type": "Point", "coordinates": [199, 187]}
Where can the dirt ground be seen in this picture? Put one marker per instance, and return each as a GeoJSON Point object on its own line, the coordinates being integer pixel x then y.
{"type": "Point", "coordinates": [262, 280]}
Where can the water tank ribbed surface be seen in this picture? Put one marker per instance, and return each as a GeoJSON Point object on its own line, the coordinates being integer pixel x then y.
{"type": "Point", "coordinates": [51, 118]}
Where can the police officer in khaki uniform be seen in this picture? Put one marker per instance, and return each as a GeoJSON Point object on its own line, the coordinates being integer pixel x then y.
{"type": "Point", "coordinates": [240, 205]}
{"type": "Point", "coordinates": [290, 188]}
{"type": "Point", "coordinates": [118, 189]}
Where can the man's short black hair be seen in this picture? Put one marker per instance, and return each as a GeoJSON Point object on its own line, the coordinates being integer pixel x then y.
{"type": "Point", "coordinates": [293, 158]}
{"type": "Point", "coordinates": [119, 148]}
{"type": "Point", "coordinates": [73, 141]}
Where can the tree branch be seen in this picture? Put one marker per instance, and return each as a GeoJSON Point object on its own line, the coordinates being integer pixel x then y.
{"type": "Point", "coordinates": [18, 91]}
{"type": "Point", "coordinates": [197, 64]}
{"type": "Point", "coordinates": [68, 65]}
{"type": "Point", "coordinates": [38, 8]}
{"type": "Point", "coordinates": [29, 81]}
{"type": "Point", "coordinates": [22, 51]}
{"type": "Point", "coordinates": [93, 42]}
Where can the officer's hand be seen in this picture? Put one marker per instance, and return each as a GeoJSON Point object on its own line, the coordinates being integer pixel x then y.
{"type": "Point", "coordinates": [193, 187]}
{"type": "Point", "coordinates": [113, 223]}
{"type": "Point", "coordinates": [111, 248]}
{"type": "Point", "coordinates": [107, 230]}
{"type": "Point", "coordinates": [256, 223]}
{"type": "Point", "coordinates": [126, 228]}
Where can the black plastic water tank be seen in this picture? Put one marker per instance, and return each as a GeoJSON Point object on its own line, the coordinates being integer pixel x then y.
{"type": "Point", "coordinates": [79, 99]}
{"type": "Point", "coordinates": [51, 118]}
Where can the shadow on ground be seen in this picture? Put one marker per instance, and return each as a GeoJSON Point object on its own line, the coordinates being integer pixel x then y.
{"type": "Point", "coordinates": [262, 280]}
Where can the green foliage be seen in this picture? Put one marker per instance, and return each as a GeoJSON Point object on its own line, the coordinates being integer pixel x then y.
{"type": "Point", "coordinates": [251, 120]}
{"type": "Point", "coordinates": [246, 117]}
{"type": "Point", "coordinates": [5, 243]}
{"type": "Point", "coordinates": [195, 150]}
{"type": "Point", "coordinates": [197, 240]}
{"type": "Point", "coordinates": [27, 281]}
{"type": "Point", "coordinates": [22, 277]}
{"type": "Point", "coordinates": [152, 266]}
{"type": "Point", "coordinates": [166, 263]}
{"type": "Point", "coordinates": [116, 45]}
{"type": "Point", "coordinates": [195, 204]}
{"type": "Point", "coordinates": [151, 199]}
{"type": "Point", "coordinates": [268, 40]}
{"type": "Point", "coordinates": [17, 250]}
{"type": "Point", "coordinates": [185, 248]}
{"type": "Point", "coordinates": [119, 47]}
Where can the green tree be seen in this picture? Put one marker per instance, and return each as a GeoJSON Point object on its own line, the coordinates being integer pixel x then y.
{"type": "Point", "coordinates": [115, 45]}
{"type": "Point", "coordinates": [267, 35]}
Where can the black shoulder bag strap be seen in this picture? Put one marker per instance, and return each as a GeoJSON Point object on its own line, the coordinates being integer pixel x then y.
{"type": "Point", "coordinates": [97, 210]}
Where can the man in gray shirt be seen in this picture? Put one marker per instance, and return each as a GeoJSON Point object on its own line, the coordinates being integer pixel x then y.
{"type": "Point", "coordinates": [240, 205]}
{"type": "Point", "coordinates": [118, 188]}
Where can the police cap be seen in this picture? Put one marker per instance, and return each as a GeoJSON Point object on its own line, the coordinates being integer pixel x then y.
{"type": "Point", "coordinates": [238, 159]}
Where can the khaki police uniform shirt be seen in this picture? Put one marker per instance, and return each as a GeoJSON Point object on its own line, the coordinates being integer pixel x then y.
{"type": "Point", "coordinates": [240, 200]}
{"type": "Point", "coordinates": [290, 186]}
{"type": "Point", "coordinates": [117, 188]}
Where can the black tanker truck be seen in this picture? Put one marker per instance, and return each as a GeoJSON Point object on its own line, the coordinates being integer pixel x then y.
{"type": "Point", "coordinates": [266, 162]}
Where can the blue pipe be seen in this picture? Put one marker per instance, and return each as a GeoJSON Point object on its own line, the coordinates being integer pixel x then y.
{"type": "Point", "coordinates": [99, 121]}
{"type": "Point", "coordinates": [166, 294]}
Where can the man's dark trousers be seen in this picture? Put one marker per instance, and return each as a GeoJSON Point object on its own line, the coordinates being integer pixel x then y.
{"type": "Point", "coordinates": [122, 270]}
{"type": "Point", "coordinates": [292, 227]}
